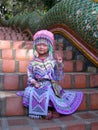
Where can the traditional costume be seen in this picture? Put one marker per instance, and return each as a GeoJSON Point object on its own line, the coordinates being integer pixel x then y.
{"type": "Point", "coordinates": [47, 73]}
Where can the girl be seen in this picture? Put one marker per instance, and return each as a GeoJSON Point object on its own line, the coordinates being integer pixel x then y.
{"type": "Point", "coordinates": [43, 92]}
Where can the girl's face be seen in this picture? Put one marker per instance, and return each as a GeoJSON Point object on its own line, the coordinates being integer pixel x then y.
{"type": "Point", "coordinates": [42, 48]}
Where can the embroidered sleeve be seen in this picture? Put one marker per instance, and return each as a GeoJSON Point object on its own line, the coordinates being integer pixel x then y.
{"type": "Point", "coordinates": [30, 73]}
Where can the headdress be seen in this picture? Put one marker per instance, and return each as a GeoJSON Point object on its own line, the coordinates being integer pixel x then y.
{"type": "Point", "coordinates": [44, 36]}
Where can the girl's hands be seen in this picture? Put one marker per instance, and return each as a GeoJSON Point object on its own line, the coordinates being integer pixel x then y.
{"type": "Point", "coordinates": [58, 57]}
{"type": "Point", "coordinates": [35, 83]}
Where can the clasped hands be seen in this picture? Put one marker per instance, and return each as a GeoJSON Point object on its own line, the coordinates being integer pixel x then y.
{"type": "Point", "coordinates": [35, 83]}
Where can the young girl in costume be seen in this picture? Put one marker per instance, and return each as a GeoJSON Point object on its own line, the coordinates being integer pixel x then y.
{"type": "Point", "coordinates": [44, 71]}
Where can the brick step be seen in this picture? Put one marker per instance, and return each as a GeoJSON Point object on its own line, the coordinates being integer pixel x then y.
{"type": "Point", "coordinates": [14, 36]}
{"type": "Point", "coordinates": [27, 54]}
{"type": "Point", "coordinates": [17, 81]}
{"type": "Point", "coordinates": [14, 44]}
{"type": "Point", "coordinates": [11, 66]}
{"type": "Point", "coordinates": [21, 62]}
{"type": "Point", "coordinates": [79, 80]}
{"type": "Point", "coordinates": [1, 35]}
{"type": "Point", "coordinates": [11, 104]}
{"type": "Point", "coordinates": [16, 54]}
{"type": "Point", "coordinates": [13, 81]}
{"type": "Point", "coordinates": [77, 121]}
{"type": "Point", "coordinates": [9, 34]}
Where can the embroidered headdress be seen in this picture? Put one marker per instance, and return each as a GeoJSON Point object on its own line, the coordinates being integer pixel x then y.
{"type": "Point", "coordinates": [44, 36]}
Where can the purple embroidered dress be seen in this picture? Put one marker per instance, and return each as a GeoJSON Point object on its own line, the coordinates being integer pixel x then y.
{"type": "Point", "coordinates": [39, 99]}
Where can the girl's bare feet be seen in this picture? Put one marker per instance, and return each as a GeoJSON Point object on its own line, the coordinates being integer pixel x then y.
{"type": "Point", "coordinates": [55, 114]}
{"type": "Point", "coordinates": [49, 116]}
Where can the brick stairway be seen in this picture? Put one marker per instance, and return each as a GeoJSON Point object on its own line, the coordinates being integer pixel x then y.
{"type": "Point", "coordinates": [12, 34]}
{"type": "Point", "coordinates": [15, 55]}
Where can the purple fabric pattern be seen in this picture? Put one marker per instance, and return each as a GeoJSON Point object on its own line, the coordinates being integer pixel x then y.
{"type": "Point", "coordinates": [38, 99]}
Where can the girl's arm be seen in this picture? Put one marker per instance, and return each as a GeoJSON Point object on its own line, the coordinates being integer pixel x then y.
{"type": "Point", "coordinates": [31, 79]}
{"type": "Point", "coordinates": [58, 71]}
{"type": "Point", "coordinates": [58, 68]}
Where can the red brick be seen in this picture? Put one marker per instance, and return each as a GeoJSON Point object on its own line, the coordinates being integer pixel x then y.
{"type": "Point", "coordinates": [11, 82]}
{"type": "Point", "coordinates": [30, 54]}
{"type": "Point", "coordinates": [79, 65]}
{"type": "Point", "coordinates": [87, 115]}
{"type": "Point", "coordinates": [8, 66]}
{"type": "Point", "coordinates": [66, 82]}
{"type": "Point", "coordinates": [77, 127]}
{"type": "Point", "coordinates": [17, 122]}
{"type": "Point", "coordinates": [94, 80]}
{"type": "Point", "coordinates": [1, 35]}
{"type": "Point", "coordinates": [80, 81]}
{"type": "Point", "coordinates": [14, 105]}
{"type": "Point", "coordinates": [21, 128]}
{"type": "Point", "coordinates": [14, 35]}
{"type": "Point", "coordinates": [68, 66]}
{"type": "Point", "coordinates": [28, 45]}
{"type": "Point", "coordinates": [4, 44]}
{"type": "Point", "coordinates": [67, 118]}
{"type": "Point", "coordinates": [21, 54]}
{"type": "Point", "coordinates": [17, 44]}
{"type": "Point", "coordinates": [83, 105]}
{"type": "Point", "coordinates": [26, 38]}
{"type": "Point", "coordinates": [20, 37]}
{"type": "Point", "coordinates": [25, 81]}
{"type": "Point", "coordinates": [94, 125]}
{"type": "Point", "coordinates": [45, 121]}
{"type": "Point", "coordinates": [94, 101]}
{"type": "Point", "coordinates": [68, 54]}
{"type": "Point", "coordinates": [7, 54]}
{"type": "Point", "coordinates": [50, 126]}
{"type": "Point", "coordinates": [54, 128]}
{"type": "Point", "coordinates": [7, 36]}
{"type": "Point", "coordinates": [23, 66]}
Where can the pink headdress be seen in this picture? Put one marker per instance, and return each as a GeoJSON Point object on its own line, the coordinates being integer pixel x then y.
{"type": "Point", "coordinates": [44, 36]}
